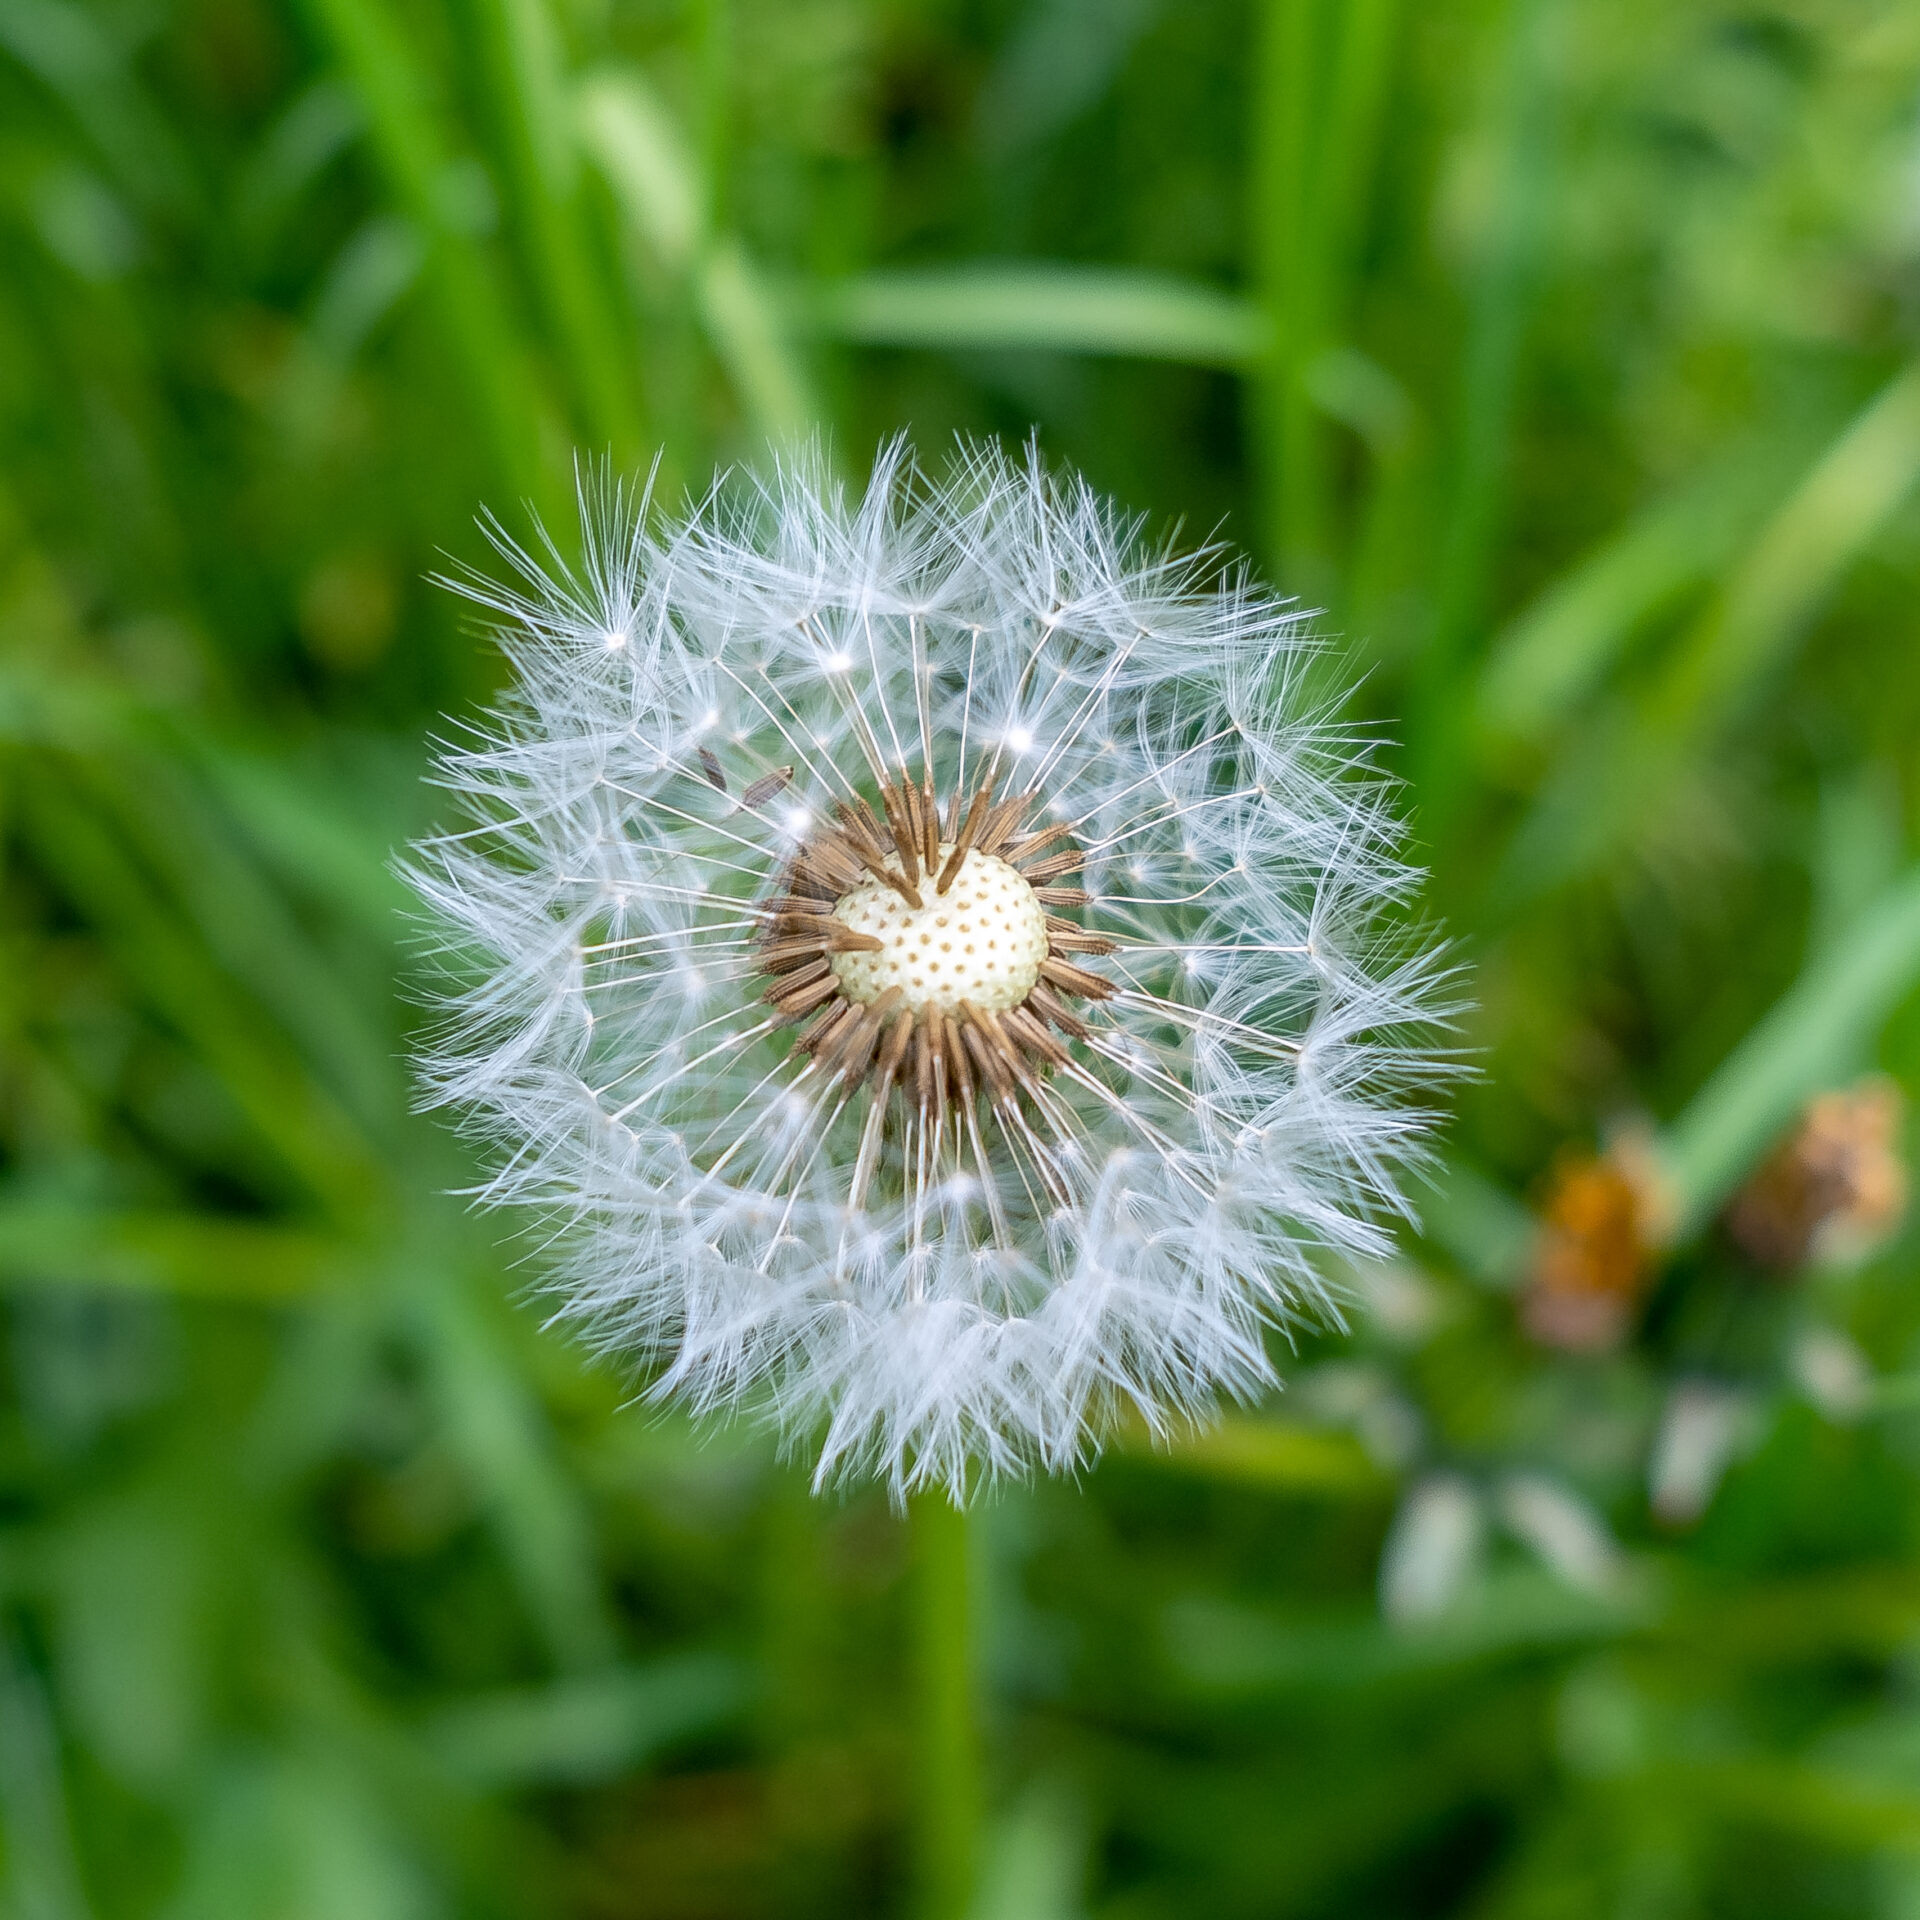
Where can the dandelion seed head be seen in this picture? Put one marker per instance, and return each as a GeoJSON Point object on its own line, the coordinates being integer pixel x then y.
{"type": "Point", "coordinates": [933, 984]}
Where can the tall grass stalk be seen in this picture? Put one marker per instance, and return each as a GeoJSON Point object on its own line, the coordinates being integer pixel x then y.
{"type": "Point", "coordinates": [519, 43]}
{"type": "Point", "coordinates": [1322, 74]}
{"type": "Point", "coordinates": [1492, 359]}
{"type": "Point", "coordinates": [414, 152]}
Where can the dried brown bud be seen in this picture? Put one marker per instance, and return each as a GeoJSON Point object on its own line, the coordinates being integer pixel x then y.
{"type": "Point", "coordinates": [1600, 1221]}
{"type": "Point", "coordinates": [1833, 1189]}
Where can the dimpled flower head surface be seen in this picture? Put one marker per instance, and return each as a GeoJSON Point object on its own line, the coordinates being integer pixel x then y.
{"type": "Point", "coordinates": [931, 981]}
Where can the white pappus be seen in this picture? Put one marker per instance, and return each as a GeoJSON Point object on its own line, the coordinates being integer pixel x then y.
{"type": "Point", "coordinates": [932, 982]}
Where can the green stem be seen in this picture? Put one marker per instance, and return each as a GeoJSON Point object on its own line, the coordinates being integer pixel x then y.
{"type": "Point", "coordinates": [947, 1782]}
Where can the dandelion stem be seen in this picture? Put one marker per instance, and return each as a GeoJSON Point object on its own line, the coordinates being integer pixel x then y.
{"type": "Point", "coordinates": [947, 1777]}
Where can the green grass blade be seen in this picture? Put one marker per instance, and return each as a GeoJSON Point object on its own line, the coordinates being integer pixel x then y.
{"type": "Point", "coordinates": [1500, 310]}
{"type": "Point", "coordinates": [249, 931]}
{"type": "Point", "coordinates": [1277, 1456]}
{"type": "Point", "coordinates": [164, 965]}
{"type": "Point", "coordinates": [71, 52]}
{"type": "Point", "coordinates": [312, 131]}
{"type": "Point", "coordinates": [1811, 1038]}
{"type": "Point", "coordinates": [199, 1256]}
{"type": "Point", "coordinates": [631, 137]}
{"type": "Point", "coordinates": [1562, 647]}
{"type": "Point", "coordinates": [1322, 75]}
{"type": "Point", "coordinates": [1501, 302]}
{"type": "Point", "coordinates": [498, 1429]}
{"type": "Point", "coordinates": [1800, 556]}
{"type": "Point", "coordinates": [1065, 309]}
{"type": "Point", "coordinates": [1288, 270]}
{"type": "Point", "coordinates": [1518, 1615]}
{"type": "Point", "coordinates": [369, 276]}
{"type": "Point", "coordinates": [646, 164]}
{"type": "Point", "coordinates": [1627, 762]}
{"type": "Point", "coordinates": [595, 339]}
{"type": "Point", "coordinates": [301, 829]}
{"type": "Point", "coordinates": [1479, 1225]}
{"type": "Point", "coordinates": [749, 334]}
{"type": "Point", "coordinates": [1034, 1862]}
{"type": "Point", "coordinates": [416, 154]}
{"type": "Point", "coordinates": [593, 1727]}
{"type": "Point", "coordinates": [40, 1869]}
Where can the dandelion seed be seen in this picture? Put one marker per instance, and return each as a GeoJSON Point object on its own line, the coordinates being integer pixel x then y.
{"type": "Point", "coordinates": [933, 982]}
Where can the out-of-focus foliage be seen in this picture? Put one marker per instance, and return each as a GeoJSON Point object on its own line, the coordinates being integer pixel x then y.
{"type": "Point", "coordinates": [1564, 351]}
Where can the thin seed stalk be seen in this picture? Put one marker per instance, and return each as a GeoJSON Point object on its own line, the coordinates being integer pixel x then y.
{"type": "Point", "coordinates": [946, 1786]}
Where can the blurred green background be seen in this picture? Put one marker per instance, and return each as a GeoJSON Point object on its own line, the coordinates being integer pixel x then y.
{"type": "Point", "coordinates": [1564, 353]}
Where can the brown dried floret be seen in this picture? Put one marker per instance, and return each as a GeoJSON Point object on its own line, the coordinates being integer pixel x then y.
{"type": "Point", "coordinates": [1833, 1189]}
{"type": "Point", "coordinates": [1600, 1225]}
{"type": "Point", "coordinates": [935, 1056]}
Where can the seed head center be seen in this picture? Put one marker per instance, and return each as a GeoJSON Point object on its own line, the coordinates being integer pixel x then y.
{"type": "Point", "coordinates": [982, 941]}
